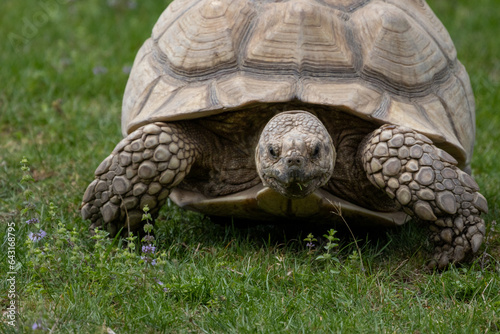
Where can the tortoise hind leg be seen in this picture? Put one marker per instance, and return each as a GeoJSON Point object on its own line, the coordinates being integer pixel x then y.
{"type": "Point", "coordinates": [427, 183]}
{"type": "Point", "coordinates": [140, 171]}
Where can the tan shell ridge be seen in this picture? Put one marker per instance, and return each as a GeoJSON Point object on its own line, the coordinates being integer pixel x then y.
{"type": "Point", "coordinates": [384, 61]}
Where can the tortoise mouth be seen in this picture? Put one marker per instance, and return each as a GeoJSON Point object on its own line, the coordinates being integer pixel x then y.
{"type": "Point", "coordinates": [296, 190]}
{"type": "Point", "coordinates": [293, 184]}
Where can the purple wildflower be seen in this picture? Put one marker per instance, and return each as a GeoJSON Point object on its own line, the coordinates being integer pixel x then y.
{"type": "Point", "coordinates": [148, 249]}
{"type": "Point", "coordinates": [148, 238]}
{"type": "Point", "coordinates": [37, 236]}
{"type": "Point", "coordinates": [36, 326]}
{"type": "Point", "coordinates": [310, 245]}
{"type": "Point", "coordinates": [147, 259]}
{"type": "Point", "coordinates": [32, 221]}
{"type": "Point", "coordinates": [99, 70]}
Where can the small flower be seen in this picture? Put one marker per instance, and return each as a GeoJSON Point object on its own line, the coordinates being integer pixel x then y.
{"type": "Point", "coordinates": [37, 235]}
{"type": "Point", "coordinates": [158, 281]}
{"type": "Point", "coordinates": [148, 238]}
{"type": "Point", "coordinates": [310, 245]}
{"type": "Point", "coordinates": [37, 326]}
{"type": "Point", "coordinates": [148, 249]}
{"type": "Point", "coordinates": [32, 221]}
{"type": "Point", "coordinates": [147, 259]}
{"type": "Point", "coordinates": [29, 205]}
{"type": "Point", "coordinates": [99, 70]}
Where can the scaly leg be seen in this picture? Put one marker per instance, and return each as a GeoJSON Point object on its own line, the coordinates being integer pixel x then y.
{"type": "Point", "coordinates": [426, 182]}
{"type": "Point", "coordinates": [140, 171]}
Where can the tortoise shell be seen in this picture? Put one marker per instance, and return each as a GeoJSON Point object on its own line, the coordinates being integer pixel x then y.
{"type": "Point", "coordinates": [386, 61]}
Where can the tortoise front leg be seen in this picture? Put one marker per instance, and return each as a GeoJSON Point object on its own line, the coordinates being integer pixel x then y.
{"type": "Point", "coordinates": [427, 183]}
{"type": "Point", "coordinates": [140, 171]}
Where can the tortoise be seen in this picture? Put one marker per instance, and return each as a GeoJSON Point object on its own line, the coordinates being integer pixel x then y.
{"type": "Point", "coordinates": [289, 109]}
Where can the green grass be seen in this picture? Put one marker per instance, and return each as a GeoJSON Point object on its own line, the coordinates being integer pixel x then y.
{"type": "Point", "coordinates": [65, 119]}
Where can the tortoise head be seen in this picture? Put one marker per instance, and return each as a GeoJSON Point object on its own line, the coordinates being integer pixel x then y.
{"type": "Point", "coordinates": [295, 155]}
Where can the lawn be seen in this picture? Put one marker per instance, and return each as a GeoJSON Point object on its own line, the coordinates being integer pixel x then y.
{"type": "Point", "coordinates": [63, 69]}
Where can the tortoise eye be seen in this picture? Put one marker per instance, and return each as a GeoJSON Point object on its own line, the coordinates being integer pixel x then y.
{"type": "Point", "coordinates": [316, 151]}
{"type": "Point", "coordinates": [272, 152]}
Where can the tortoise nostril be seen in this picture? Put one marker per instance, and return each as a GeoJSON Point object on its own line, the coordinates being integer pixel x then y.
{"type": "Point", "coordinates": [294, 161]}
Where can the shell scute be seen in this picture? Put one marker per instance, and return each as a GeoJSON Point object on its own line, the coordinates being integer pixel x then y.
{"type": "Point", "coordinates": [296, 36]}
{"type": "Point", "coordinates": [420, 11]}
{"type": "Point", "coordinates": [397, 48]}
{"type": "Point", "coordinates": [205, 38]}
